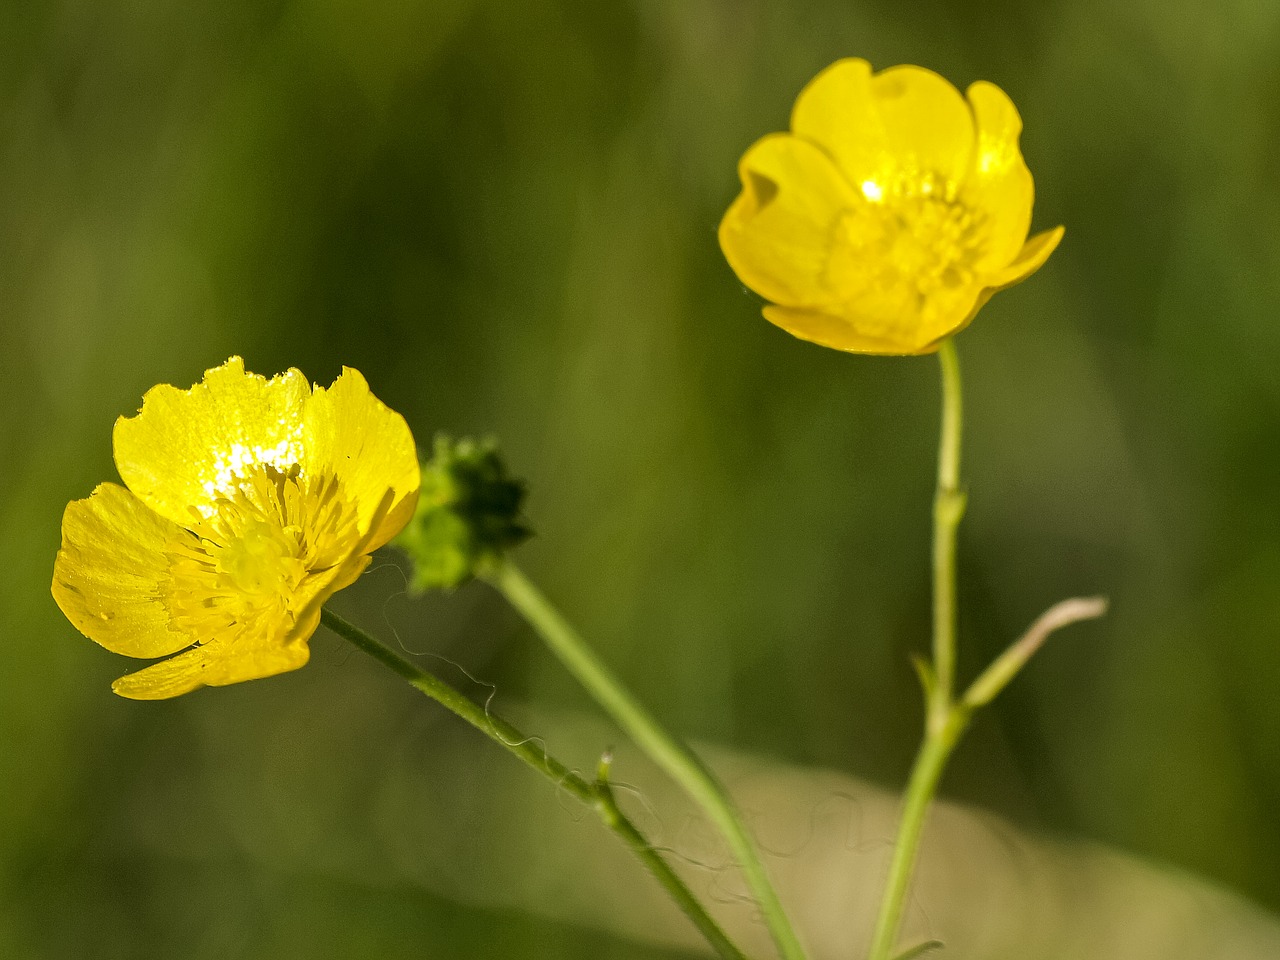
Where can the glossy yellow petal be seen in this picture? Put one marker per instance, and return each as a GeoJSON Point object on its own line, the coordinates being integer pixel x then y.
{"type": "Point", "coordinates": [928, 127]}
{"type": "Point", "coordinates": [904, 123]}
{"type": "Point", "coordinates": [187, 448]}
{"type": "Point", "coordinates": [169, 678]}
{"type": "Point", "coordinates": [352, 435]}
{"type": "Point", "coordinates": [777, 233]}
{"type": "Point", "coordinates": [111, 573]}
{"type": "Point", "coordinates": [855, 333]}
{"type": "Point", "coordinates": [829, 331]}
{"type": "Point", "coordinates": [837, 111]}
{"type": "Point", "coordinates": [999, 186]}
{"type": "Point", "coordinates": [273, 645]}
{"type": "Point", "coordinates": [1030, 259]}
{"type": "Point", "coordinates": [215, 664]}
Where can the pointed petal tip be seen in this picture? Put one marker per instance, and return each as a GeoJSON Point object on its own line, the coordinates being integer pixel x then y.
{"type": "Point", "coordinates": [1030, 258]}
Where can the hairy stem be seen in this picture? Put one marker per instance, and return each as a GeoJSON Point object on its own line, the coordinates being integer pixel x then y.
{"type": "Point", "coordinates": [670, 754]}
{"type": "Point", "coordinates": [596, 795]}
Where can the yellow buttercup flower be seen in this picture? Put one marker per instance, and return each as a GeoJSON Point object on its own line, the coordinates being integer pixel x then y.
{"type": "Point", "coordinates": [890, 213]}
{"type": "Point", "coordinates": [249, 503]}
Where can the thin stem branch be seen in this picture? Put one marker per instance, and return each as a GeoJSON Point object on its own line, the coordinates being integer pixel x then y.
{"type": "Point", "coordinates": [596, 795]}
{"type": "Point", "coordinates": [920, 949]}
{"type": "Point", "coordinates": [1006, 666]}
{"type": "Point", "coordinates": [670, 754]}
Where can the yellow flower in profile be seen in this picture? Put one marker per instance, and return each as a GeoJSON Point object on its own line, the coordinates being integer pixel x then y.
{"type": "Point", "coordinates": [249, 503]}
{"type": "Point", "coordinates": [890, 213]}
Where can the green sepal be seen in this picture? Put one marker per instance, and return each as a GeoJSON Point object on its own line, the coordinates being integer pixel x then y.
{"type": "Point", "coordinates": [468, 514]}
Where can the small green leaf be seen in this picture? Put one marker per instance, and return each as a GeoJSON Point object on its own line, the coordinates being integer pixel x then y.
{"type": "Point", "coordinates": [924, 670]}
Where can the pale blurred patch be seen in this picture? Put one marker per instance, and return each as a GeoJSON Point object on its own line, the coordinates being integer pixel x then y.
{"type": "Point", "coordinates": [450, 814]}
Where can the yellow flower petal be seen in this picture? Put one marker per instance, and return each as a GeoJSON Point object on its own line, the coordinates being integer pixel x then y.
{"type": "Point", "coordinates": [829, 331]}
{"type": "Point", "coordinates": [111, 572]}
{"type": "Point", "coordinates": [777, 234]}
{"type": "Point", "coordinates": [187, 448]}
{"type": "Point", "coordinates": [837, 111]}
{"type": "Point", "coordinates": [905, 120]}
{"type": "Point", "coordinates": [855, 334]}
{"type": "Point", "coordinates": [211, 665]}
{"type": "Point", "coordinates": [927, 125]}
{"type": "Point", "coordinates": [999, 186]}
{"type": "Point", "coordinates": [1031, 258]}
{"type": "Point", "coordinates": [351, 434]}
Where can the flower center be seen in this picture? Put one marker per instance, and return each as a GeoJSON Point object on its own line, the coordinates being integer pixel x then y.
{"type": "Point", "coordinates": [908, 249]}
{"type": "Point", "coordinates": [244, 563]}
{"type": "Point", "coordinates": [258, 562]}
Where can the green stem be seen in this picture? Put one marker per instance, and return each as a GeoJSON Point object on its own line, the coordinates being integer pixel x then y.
{"type": "Point", "coordinates": [948, 508]}
{"type": "Point", "coordinates": [672, 756]}
{"type": "Point", "coordinates": [597, 795]}
{"type": "Point", "coordinates": [944, 719]}
{"type": "Point", "coordinates": [930, 762]}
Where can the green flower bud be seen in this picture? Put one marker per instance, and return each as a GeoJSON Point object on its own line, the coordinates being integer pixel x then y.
{"type": "Point", "coordinates": [468, 514]}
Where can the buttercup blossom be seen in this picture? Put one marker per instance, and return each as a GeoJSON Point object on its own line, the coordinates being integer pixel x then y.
{"type": "Point", "coordinates": [249, 503]}
{"type": "Point", "coordinates": [890, 213]}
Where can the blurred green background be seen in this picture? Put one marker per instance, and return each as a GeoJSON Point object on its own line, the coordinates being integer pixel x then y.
{"type": "Point", "coordinates": [504, 215]}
